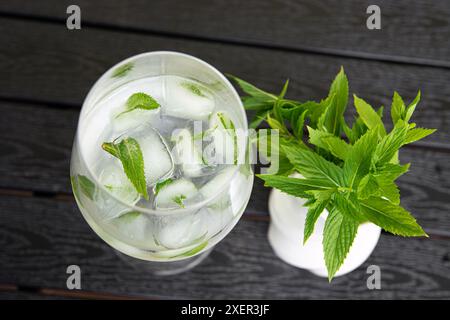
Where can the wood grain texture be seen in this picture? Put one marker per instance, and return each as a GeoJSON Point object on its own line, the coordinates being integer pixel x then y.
{"type": "Point", "coordinates": [411, 31]}
{"type": "Point", "coordinates": [41, 237]}
{"type": "Point", "coordinates": [61, 66]}
{"type": "Point", "coordinates": [37, 143]}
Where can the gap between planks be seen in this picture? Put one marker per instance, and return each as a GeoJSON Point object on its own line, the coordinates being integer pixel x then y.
{"type": "Point", "coordinates": [243, 43]}
{"type": "Point", "coordinates": [248, 216]}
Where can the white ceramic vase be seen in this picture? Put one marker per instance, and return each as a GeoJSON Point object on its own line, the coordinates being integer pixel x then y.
{"type": "Point", "coordinates": [286, 237]}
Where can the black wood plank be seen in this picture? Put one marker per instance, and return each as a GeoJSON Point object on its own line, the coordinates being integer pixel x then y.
{"type": "Point", "coordinates": [46, 62]}
{"type": "Point", "coordinates": [37, 143]}
{"type": "Point", "coordinates": [41, 237]}
{"type": "Point", "coordinates": [411, 31]}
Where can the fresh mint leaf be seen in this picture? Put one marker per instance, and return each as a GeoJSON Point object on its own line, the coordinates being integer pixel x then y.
{"type": "Point", "coordinates": [129, 153]}
{"type": "Point", "coordinates": [251, 90]}
{"type": "Point", "coordinates": [128, 216]}
{"type": "Point", "coordinates": [162, 184]}
{"type": "Point", "coordinates": [140, 100]}
{"type": "Point", "coordinates": [358, 161]}
{"type": "Point", "coordinates": [257, 104]}
{"type": "Point", "coordinates": [314, 212]}
{"type": "Point", "coordinates": [179, 200]}
{"type": "Point", "coordinates": [410, 110]}
{"type": "Point", "coordinates": [336, 146]}
{"type": "Point", "coordinates": [416, 134]}
{"type": "Point", "coordinates": [391, 217]}
{"type": "Point", "coordinates": [86, 186]}
{"type": "Point", "coordinates": [392, 171]}
{"type": "Point", "coordinates": [397, 108]}
{"type": "Point", "coordinates": [348, 205]}
{"type": "Point", "coordinates": [122, 70]}
{"type": "Point", "coordinates": [368, 186]}
{"type": "Point", "coordinates": [311, 165]}
{"type": "Point", "coordinates": [192, 87]}
{"type": "Point", "coordinates": [336, 104]}
{"type": "Point", "coordinates": [259, 117]}
{"type": "Point", "coordinates": [389, 145]}
{"type": "Point", "coordinates": [368, 115]}
{"type": "Point", "coordinates": [292, 111]}
{"type": "Point", "coordinates": [193, 251]}
{"type": "Point", "coordinates": [338, 235]}
{"type": "Point", "coordinates": [83, 183]}
{"type": "Point", "coordinates": [295, 186]}
{"type": "Point", "coordinates": [298, 122]}
{"type": "Point", "coordinates": [389, 189]}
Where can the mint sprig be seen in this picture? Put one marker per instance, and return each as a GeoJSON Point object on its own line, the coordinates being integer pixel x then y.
{"type": "Point", "coordinates": [350, 170]}
{"type": "Point", "coordinates": [130, 155]}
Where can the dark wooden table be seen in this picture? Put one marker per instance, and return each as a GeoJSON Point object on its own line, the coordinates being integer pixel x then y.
{"type": "Point", "coordinates": [46, 71]}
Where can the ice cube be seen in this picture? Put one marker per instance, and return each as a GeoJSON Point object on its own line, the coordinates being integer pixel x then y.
{"type": "Point", "coordinates": [174, 193]}
{"type": "Point", "coordinates": [113, 178]}
{"type": "Point", "coordinates": [187, 99]}
{"type": "Point", "coordinates": [218, 213]}
{"type": "Point", "coordinates": [133, 227]}
{"type": "Point", "coordinates": [211, 187]}
{"type": "Point", "coordinates": [158, 162]}
{"type": "Point", "coordinates": [180, 231]}
{"type": "Point", "coordinates": [187, 153]}
{"type": "Point", "coordinates": [222, 133]}
{"type": "Point", "coordinates": [123, 121]}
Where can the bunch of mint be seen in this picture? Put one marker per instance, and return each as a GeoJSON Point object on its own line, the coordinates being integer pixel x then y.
{"type": "Point", "coordinates": [350, 171]}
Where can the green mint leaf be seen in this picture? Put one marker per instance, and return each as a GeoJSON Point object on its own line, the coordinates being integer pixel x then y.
{"type": "Point", "coordinates": [128, 217]}
{"type": "Point", "coordinates": [179, 200]}
{"type": "Point", "coordinates": [339, 88]}
{"type": "Point", "coordinates": [141, 101]}
{"type": "Point", "coordinates": [275, 124]}
{"type": "Point", "coordinates": [348, 205]}
{"type": "Point", "coordinates": [83, 184]}
{"type": "Point", "coordinates": [379, 186]}
{"type": "Point", "coordinates": [397, 108]}
{"type": "Point", "coordinates": [284, 89]}
{"type": "Point", "coordinates": [368, 115]}
{"type": "Point", "coordinates": [162, 184]}
{"type": "Point", "coordinates": [358, 161]}
{"type": "Point", "coordinates": [391, 217]}
{"type": "Point", "coordinates": [192, 87]}
{"type": "Point", "coordinates": [410, 110]}
{"type": "Point", "coordinates": [256, 103]}
{"type": "Point", "coordinates": [338, 236]}
{"type": "Point", "coordinates": [392, 171]}
{"type": "Point", "coordinates": [330, 118]}
{"type": "Point", "coordinates": [314, 212]}
{"type": "Point", "coordinates": [336, 146]}
{"type": "Point", "coordinates": [336, 104]}
{"type": "Point", "coordinates": [259, 117]}
{"type": "Point", "coordinates": [193, 251]}
{"type": "Point", "coordinates": [297, 121]}
{"type": "Point", "coordinates": [416, 134]}
{"type": "Point", "coordinates": [311, 165]}
{"type": "Point", "coordinates": [389, 189]}
{"type": "Point", "coordinates": [129, 153]}
{"type": "Point", "coordinates": [368, 186]}
{"type": "Point", "coordinates": [295, 186]}
{"type": "Point", "coordinates": [251, 89]}
{"type": "Point", "coordinates": [389, 145]}
{"type": "Point", "coordinates": [122, 70]}
{"type": "Point", "coordinates": [86, 186]}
